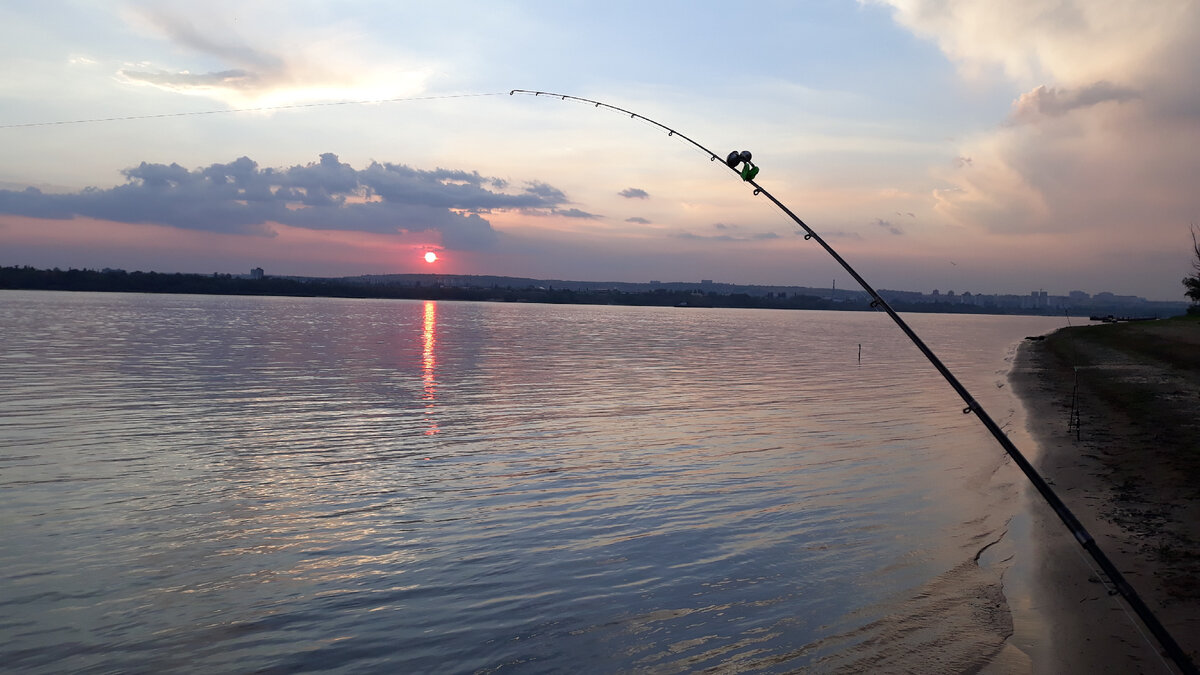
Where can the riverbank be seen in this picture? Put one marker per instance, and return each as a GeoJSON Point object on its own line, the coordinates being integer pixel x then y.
{"type": "Point", "coordinates": [1114, 409]}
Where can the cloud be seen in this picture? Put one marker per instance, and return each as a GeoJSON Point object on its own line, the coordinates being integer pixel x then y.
{"type": "Point", "coordinates": [575, 213]}
{"type": "Point", "coordinates": [637, 220]}
{"type": "Point", "coordinates": [1098, 153]}
{"type": "Point", "coordinates": [236, 79]}
{"type": "Point", "coordinates": [1045, 101]}
{"type": "Point", "coordinates": [225, 45]}
{"type": "Point", "coordinates": [759, 236]}
{"type": "Point", "coordinates": [887, 225]}
{"type": "Point", "coordinates": [634, 193]}
{"type": "Point", "coordinates": [546, 191]}
{"type": "Point", "coordinates": [254, 72]}
{"type": "Point", "coordinates": [1072, 41]}
{"type": "Point", "coordinates": [241, 197]}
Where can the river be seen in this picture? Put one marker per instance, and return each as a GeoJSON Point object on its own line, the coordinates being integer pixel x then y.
{"type": "Point", "coordinates": [220, 484]}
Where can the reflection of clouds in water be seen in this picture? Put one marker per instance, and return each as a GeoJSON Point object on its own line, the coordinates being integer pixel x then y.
{"type": "Point", "coordinates": [428, 364]}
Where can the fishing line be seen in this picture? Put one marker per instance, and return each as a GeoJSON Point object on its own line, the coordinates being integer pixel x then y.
{"type": "Point", "coordinates": [747, 173]}
{"type": "Point", "coordinates": [290, 106]}
{"type": "Point", "coordinates": [1110, 591]}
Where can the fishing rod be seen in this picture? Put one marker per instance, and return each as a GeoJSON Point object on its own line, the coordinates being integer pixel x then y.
{"type": "Point", "coordinates": [747, 173]}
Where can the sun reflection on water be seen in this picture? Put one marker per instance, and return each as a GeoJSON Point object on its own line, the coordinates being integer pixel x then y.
{"type": "Point", "coordinates": [428, 365]}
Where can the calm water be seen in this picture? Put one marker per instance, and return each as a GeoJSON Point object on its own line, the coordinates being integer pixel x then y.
{"type": "Point", "coordinates": [223, 484]}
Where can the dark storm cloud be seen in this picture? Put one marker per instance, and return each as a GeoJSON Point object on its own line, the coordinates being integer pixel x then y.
{"type": "Point", "coordinates": [634, 193]}
{"type": "Point", "coordinates": [239, 197]}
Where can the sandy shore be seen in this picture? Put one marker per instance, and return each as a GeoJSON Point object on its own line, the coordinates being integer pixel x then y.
{"type": "Point", "coordinates": [1125, 457]}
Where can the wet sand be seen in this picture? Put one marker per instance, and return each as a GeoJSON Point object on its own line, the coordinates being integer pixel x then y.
{"type": "Point", "coordinates": [1124, 454]}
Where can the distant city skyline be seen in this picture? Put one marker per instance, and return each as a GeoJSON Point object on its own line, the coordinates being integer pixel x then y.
{"type": "Point", "coordinates": [959, 144]}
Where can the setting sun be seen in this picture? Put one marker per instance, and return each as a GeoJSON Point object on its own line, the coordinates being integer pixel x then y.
{"type": "Point", "coordinates": [430, 257]}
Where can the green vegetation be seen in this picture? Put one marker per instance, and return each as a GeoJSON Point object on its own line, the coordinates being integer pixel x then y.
{"type": "Point", "coordinates": [1173, 342]}
{"type": "Point", "coordinates": [1192, 283]}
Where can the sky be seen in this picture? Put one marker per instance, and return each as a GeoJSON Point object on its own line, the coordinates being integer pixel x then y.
{"type": "Point", "coordinates": [961, 145]}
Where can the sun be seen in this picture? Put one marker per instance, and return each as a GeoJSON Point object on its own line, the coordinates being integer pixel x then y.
{"type": "Point", "coordinates": [430, 257]}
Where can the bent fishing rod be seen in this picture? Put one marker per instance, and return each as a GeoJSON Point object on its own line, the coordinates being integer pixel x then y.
{"type": "Point", "coordinates": [747, 173]}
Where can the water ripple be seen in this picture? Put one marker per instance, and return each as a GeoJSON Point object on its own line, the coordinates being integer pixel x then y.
{"type": "Point", "coordinates": [272, 484]}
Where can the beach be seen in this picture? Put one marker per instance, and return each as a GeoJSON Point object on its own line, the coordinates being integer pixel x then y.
{"type": "Point", "coordinates": [1113, 409]}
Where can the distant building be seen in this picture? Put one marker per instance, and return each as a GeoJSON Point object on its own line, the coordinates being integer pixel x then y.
{"type": "Point", "coordinates": [706, 282]}
{"type": "Point", "coordinates": [256, 273]}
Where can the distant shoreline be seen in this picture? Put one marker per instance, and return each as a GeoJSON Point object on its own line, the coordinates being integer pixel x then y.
{"type": "Point", "coordinates": [1127, 470]}
{"type": "Point", "coordinates": [699, 296]}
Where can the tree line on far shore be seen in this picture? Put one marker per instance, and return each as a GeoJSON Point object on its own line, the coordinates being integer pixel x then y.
{"type": "Point", "coordinates": [30, 278]}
